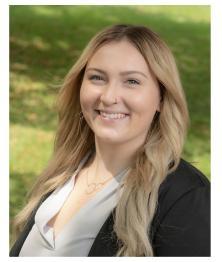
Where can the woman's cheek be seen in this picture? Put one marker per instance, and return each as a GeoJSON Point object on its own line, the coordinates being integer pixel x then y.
{"type": "Point", "coordinates": [88, 101]}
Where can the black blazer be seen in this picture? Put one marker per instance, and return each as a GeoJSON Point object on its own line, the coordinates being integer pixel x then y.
{"type": "Point", "coordinates": [181, 225]}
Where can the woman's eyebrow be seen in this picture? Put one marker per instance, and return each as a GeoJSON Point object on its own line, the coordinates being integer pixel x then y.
{"type": "Point", "coordinates": [96, 69]}
{"type": "Point", "coordinates": [121, 73]}
{"type": "Point", "coordinates": [133, 72]}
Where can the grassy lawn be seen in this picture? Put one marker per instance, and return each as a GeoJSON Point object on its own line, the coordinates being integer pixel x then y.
{"type": "Point", "coordinates": [46, 40]}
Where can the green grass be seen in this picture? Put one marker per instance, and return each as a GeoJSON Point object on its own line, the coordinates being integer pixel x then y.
{"type": "Point", "coordinates": [44, 43]}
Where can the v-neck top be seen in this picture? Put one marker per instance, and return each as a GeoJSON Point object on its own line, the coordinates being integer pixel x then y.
{"type": "Point", "coordinates": [78, 235]}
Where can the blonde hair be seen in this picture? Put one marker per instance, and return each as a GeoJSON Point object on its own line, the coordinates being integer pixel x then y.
{"type": "Point", "coordinates": [159, 156]}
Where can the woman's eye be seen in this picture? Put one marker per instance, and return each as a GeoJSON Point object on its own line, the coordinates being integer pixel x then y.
{"type": "Point", "coordinates": [96, 77]}
{"type": "Point", "coordinates": [133, 82]}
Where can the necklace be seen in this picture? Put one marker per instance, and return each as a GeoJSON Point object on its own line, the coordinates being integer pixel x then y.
{"type": "Point", "coordinates": [91, 187]}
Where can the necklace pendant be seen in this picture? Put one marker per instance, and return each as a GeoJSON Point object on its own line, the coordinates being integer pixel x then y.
{"type": "Point", "coordinates": [91, 188]}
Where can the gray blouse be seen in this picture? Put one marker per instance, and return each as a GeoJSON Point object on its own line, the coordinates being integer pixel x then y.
{"type": "Point", "coordinates": [78, 235]}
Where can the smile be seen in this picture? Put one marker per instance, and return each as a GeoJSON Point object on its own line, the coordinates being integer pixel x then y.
{"type": "Point", "coordinates": [111, 115]}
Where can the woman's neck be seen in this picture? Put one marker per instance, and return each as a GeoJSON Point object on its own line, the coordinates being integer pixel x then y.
{"type": "Point", "coordinates": [111, 159]}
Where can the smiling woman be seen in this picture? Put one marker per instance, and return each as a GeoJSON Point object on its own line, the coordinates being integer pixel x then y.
{"type": "Point", "coordinates": [119, 96]}
{"type": "Point", "coordinates": [116, 184]}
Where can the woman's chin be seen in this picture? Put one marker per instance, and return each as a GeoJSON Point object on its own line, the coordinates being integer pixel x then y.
{"type": "Point", "coordinates": [111, 139]}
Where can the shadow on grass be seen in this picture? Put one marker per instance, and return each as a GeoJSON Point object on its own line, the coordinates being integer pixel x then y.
{"type": "Point", "coordinates": [33, 108]}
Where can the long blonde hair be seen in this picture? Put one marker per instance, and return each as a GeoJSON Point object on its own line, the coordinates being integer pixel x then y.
{"type": "Point", "coordinates": [159, 156]}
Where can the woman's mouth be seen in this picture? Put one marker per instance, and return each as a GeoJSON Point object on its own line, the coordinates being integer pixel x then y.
{"type": "Point", "coordinates": [112, 115]}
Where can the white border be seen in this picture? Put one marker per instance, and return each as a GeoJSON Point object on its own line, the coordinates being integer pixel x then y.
{"type": "Point", "coordinates": [216, 122]}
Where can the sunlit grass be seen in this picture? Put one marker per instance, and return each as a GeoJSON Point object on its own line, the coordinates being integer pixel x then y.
{"type": "Point", "coordinates": [29, 148]}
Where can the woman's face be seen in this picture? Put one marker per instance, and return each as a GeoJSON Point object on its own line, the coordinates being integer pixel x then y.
{"type": "Point", "coordinates": [119, 96]}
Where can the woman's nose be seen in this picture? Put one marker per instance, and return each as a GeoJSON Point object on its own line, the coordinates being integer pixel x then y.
{"type": "Point", "coordinates": [110, 94]}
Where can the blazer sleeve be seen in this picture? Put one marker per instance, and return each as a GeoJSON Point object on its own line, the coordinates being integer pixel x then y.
{"type": "Point", "coordinates": [185, 228]}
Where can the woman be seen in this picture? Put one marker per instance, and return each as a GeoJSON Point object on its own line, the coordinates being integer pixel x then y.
{"type": "Point", "coordinates": [116, 185]}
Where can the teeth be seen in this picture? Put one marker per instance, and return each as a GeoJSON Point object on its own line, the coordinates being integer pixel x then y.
{"type": "Point", "coordinates": [112, 115]}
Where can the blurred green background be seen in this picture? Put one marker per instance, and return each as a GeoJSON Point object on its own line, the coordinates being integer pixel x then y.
{"type": "Point", "coordinates": [45, 41]}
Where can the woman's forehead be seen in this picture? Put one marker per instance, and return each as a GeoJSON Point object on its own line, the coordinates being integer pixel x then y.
{"type": "Point", "coordinates": [120, 55]}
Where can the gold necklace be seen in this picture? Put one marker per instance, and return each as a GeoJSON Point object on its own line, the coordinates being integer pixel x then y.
{"type": "Point", "coordinates": [91, 187]}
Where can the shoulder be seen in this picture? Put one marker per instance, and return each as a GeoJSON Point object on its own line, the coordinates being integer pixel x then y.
{"type": "Point", "coordinates": [184, 179]}
{"type": "Point", "coordinates": [181, 225]}
{"type": "Point", "coordinates": [185, 186]}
